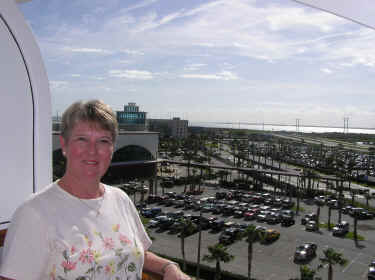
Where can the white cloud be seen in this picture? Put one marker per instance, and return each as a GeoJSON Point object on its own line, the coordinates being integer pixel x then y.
{"type": "Point", "coordinates": [75, 75]}
{"type": "Point", "coordinates": [86, 50]}
{"type": "Point", "coordinates": [132, 52]}
{"type": "Point", "coordinates": [326, 70]}
{"type": "Point", "coordinates": [194, 66]}
{"type": "Point", "coordinates": [58, 84]}
{"type": "Point", "coordinates": [170, 17]}
{"type": "Point", "coordinates": [295, 18]}
{"type": "Point", "coordinates": [140, 5]}
{"type": "Point", "coordinates": [224, 75]}
{"type": "Point", "coordinates": [131, 74]}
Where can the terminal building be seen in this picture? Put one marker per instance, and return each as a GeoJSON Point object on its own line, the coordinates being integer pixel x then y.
{"type": "Point", "coordinates": [131, 119]}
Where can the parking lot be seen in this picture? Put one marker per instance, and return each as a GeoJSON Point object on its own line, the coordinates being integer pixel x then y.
{"type": "Point", "coordinates": [275, 260]}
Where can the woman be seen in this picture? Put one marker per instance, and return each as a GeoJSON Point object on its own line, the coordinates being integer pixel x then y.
{"type": "Point", "coordinates": [77, 227]}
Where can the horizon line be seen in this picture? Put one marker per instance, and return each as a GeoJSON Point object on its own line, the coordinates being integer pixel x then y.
{"type": "Point", "coordinates": [276, 124]}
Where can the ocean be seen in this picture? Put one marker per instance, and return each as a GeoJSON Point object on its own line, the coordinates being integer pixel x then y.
{"type": "Point", "coordinates": [271, 127]}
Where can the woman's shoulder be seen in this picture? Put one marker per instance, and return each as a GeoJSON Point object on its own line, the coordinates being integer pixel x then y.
{"type": "Point", "coordinates": [35, 204]}
{"type": "Point", "coordinates": [45, 192]}
{"type": "Point", "coordinates": [116, 192]}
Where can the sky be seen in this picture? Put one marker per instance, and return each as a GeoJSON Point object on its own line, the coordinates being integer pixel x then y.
{"type": "Point", "coordinates": [271, 61]}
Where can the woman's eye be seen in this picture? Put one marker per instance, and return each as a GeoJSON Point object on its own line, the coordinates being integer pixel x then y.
{"type": "Point", "coordinates": [105, 141]}
{"type": "Point", "coordinates": [81, 139]}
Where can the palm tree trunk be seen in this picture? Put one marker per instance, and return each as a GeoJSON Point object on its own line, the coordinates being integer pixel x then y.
{"type": "Point", "coordinates": [329, 218]}
{"type": "Point", "coordinates": [355, 228]}
{"type": "Point", "coordinates": [297, 194]}
{"type": "Point", "coordinates": [318, 217]}
{"type": "Point", "coordinates": [218, 271]}
{"type": "Point", "coordinates": [330, 272]}
{"type": "Point", "coordinates": [199, 245]}
{"type": "Point", "coordinates": [183, 252]}
{"type": "Point", "coordinates": [249, 258]}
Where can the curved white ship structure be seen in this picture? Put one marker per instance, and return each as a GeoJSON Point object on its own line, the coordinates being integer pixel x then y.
{"type": "Point", "coordinates": [25, 115]}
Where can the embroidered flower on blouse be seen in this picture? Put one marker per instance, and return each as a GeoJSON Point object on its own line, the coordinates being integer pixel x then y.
{"type": "Point", "coordinates": [89, 242]}
{"type": "Point", "coordinates": [97, 256]}
{"type": "Point", "coordinates": [136, 252]}
{"type": "Point", "coordinates": [124, 240]}
{"type": "Point", "coordinates": [68, 265]}
{"type": "Point", "coordinates": [110, 268]}
{"type": "Point", "coordinates": [86, 256]}
{"type": "Point", "coordinates": [73, 250]}
{"type": "Point", "coordinates": [116, 228]}
{"type": "Point", "coordinates": [52, 274]}
{"type": "Point", "coordinates": [109, 244]}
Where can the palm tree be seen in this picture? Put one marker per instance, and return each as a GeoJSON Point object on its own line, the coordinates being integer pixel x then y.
{"type": "Point", "coordinates": [355, 225]}
{"type": "Point", "coordinates": [199, 244]}
{"type": "Point", "coordinates": [299, 180]}
{"type": "Point", "coordinates": [368, 198]}
{"type": "Point", "coordinates": [318, 216]}
{"type": "Point", "coordinates": [187, 228]}
{"type": "Point", "coordinates": [307, 273]}
{"type": "Point", "coordinates": [331, 257]}
{"type": "Point", "coordinates": [329, 217]}
{"type": "Point", "coordinates": [218, 253]}
{"type": "Point", "coordinates": [251, 234]}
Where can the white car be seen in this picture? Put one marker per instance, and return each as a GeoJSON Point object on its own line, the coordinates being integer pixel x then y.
{"type": "Point", "coordinates": [371, 270]}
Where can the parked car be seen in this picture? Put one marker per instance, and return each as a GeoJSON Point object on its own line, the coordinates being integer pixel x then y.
{"type": "Point", "coordinates": [176, 214]}
{"type": "Point", "coordinates": [165, 222]}
{"type": "Point", "coordinates": [311, 226]}
{"type": "Point", "coordinates": [287, 220]}
{"type": "Point", "coordinates": [229, 235]}
{"type": "Point", "coordinates": [237, 213]}
{"type": "Point", "coordinates": [217, 225]}
{"type": "Point", "coordinates": [333, 203]}
{"type": "Point", "coordinates": [175, 227]}
{"type": "Point", "coordinates": [179, 203]}
{"type": "Point", "coordinates": [365, 215]}
{"type": "Point", "coordinates": [153, 223]}
{"type": "Point", "coordinates": [273, 218]}
{"type": "Point", "coordinates": [305, 252]}
{"type": "Point", "coordinates": [151, 212]}
{"type": "Point", "coordinates": [307, 218]}
{"type": "Point", "coordinates": [169, 201]}
{"type": "Point", "coordinates": [287, 203]}
{"type": "Point", "coordinates": [250, 215]}
{"type": "Point", "coordinates": [270, 236]}
{"type": "Point", "coordinates": [371, 271]}
{"type": "Point", "coordinates": [220, 195]}
{"type": "Point", "coordinates": [262, 217]}
{"type": "Point", "coordinates": [341, 229]}
{"type": "Point", "coordinates": [154, 198]}
{"type": "Point", "coordinates": [320, 200]}
{"type": "Point", "coordinates": [346, 209]}
{"type": "Point", "coordinates": [287, 213]}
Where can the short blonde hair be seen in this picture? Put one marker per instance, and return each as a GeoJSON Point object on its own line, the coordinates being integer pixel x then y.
{"type": "Point", "coordinates": [95, 111]}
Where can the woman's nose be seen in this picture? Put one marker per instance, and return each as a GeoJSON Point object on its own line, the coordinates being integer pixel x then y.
{"type": "Point", "coordinates": [92, 147]}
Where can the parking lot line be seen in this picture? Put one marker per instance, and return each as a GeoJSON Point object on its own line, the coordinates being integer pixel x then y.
{"type": "Point", "coordinates": [364, 275]}
{"type": "Point", "coordinates": [352, 261]}
{"type": "Point", "coordinates": [271, 276]}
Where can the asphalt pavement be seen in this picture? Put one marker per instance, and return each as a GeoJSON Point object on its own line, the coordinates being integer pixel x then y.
{"type": "Point", "coordinates": [275, 260]}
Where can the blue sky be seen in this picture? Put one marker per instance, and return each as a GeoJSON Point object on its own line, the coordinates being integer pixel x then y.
{"type": "Point", "coordinates": [221, 60]}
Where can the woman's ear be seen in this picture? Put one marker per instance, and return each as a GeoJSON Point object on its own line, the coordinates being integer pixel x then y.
{"type": "Point", "coordinates": [63, 145]}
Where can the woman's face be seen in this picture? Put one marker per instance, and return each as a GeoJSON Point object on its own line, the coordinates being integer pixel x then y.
{"type": "Point", "coordinates": [88, 151]}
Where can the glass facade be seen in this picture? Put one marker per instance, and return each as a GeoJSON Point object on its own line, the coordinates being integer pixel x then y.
{"type": "Point", "coordinates": [131, 115]}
